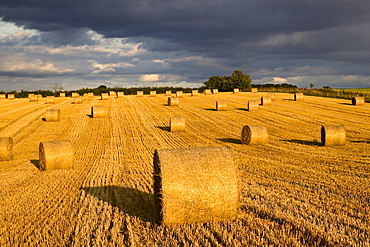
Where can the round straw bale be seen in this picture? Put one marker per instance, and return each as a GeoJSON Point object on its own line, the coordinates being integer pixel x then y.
{"type": "Point", "coordinates": [2, 96]}
{"type": "Point", "coordinates": [194, 92]}
{"type": "Point", "coordinates": [179, 94]}
{"type": "Point", "coordinates": [221, 105]}
{"type": "Point", "coordinates": [153, 93]}
{"type": "Point", "coordinates": [34, 98]}
{"type": "Point", "coordinates": [50, 100]}
{"type": "Point", "coordinates": [207, 92]}
{"type": "Point", "coordinates": [253, 105]}
{"type": "Point", "coordinates": [168, 93]}
{"type": "Point", "coordinates": [75, 94]}
{"type": "Point", "coordinates": [56, 155]}
{"type": "Point", "coordinates": [195, 185]}
{"type": "Point", "coordinates": [30, 95]}
{"type": "Point", "coordinates": [298, 96]}
{"type": "Point", "coordinates": [52, 115]}
{"type": "Point", "coordinates": [62, 95]}
{"type": "Point", "coordinates": [215, 91]}
{"type": "Point", "coordinates": [104, 96]}
{"type": "Point", "coordinates": [173, 101]}
{"type": "Point", "coordinates": [272, 96]}
{"type": "Point", "coordinates": [177, 124]}
{"type": "Point", "coordinates": [236, 90]}
{"type": "Point", "coordinates": [39, 96]}
{"type": "Point", "coordinates": [120, 94]}
{"type": "Point", "coordinates": [77, 100]}
{"type": "Point", "coordinates": [254, 134]}
{"type": "Point", "coordinates": [254, 90]}
{"type": "Point", "coordinates": [112, 94]}
{"type": "Point", "coordinates": [98, 111]}
{"type": "Point", "coordinates": [266, 100]}
{"type": "Point", "coordinates": [11, 96]}
{"type": "Point", "coordinates": [358, 100]}
{"type": "Point", "coordinates": [333, 135]}
{"type": "Point", "coordinates": [90, 94]}
{"type": "Point", "coordinates": [6, 148]}
{"type": "Point", "coordinates": [140, 93]}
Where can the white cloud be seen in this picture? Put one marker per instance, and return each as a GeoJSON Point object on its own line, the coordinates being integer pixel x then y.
{"type": "Point", "coordinates": [150, 77]}
{"type": "Point", "coordinates": [279, 80]}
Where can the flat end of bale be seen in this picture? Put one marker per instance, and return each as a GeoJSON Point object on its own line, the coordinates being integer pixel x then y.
{"type": "Point", "coordinates": [254, 134]}
{"type": "Point", "coordinates": [56, 155]}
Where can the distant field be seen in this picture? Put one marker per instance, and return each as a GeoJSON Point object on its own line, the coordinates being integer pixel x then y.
{"type": "Point", "coordinates": [356, 89]}
{"type": "Point", "coordinates": [294, 191]}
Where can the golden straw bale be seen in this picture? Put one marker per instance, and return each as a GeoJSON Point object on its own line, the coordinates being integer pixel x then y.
{"type": "Point", "coordinates": [34, 98]}
{"type": "Point", "coordinates": [215, 91]}
{"type": "Point", "coordinates": [195, 185]}
{"type": "Point", "coordinates": [62, 95]}
{"type": "Point", "coordinates": [56, 155]}
{"type": "Point", "coordinates": [236, 90]}
{"type": "Point", "coordinates": [140, 93]}
{"type": "Point", "coordinates": [253, 105]}
{"type": "Point", "coordinates": [177, 124]}
{"type": "Point", "coordinates": [2, 96]}
{"type": "Point", "coordinates": [221, 105]}
{"type": "Point", "coordinates": [52, 115]}
{"type": "Point", "coordinates": [77, 100]}
{"type": "Point", "coordinates": [298, 96]}
{"type": "Point", "coordinates": [207, 92]}
{"type": "Point", "coordinates": [254, 134]}
{"type": "Point", "coordinates": [99, 111]}
{"type": "Point", "coordinates": [30, 95]}
{"type": "Point", "coordinates": [153, 93]}
{"type": "Point", "coordinates": [173, 101]}
{"type": "Point", "coordinates": [104, 96]}
{"type": "Point", "coordinates": [11, 96]}
{"type": "Point", "coordinates": [85, 95]}
{"type": "Point", "coordinates": [39, 96]}
{"type": "Point", "coordinates": [120, 94]}
{"type": "Point", "coordinates": [272, 96]}
{"type": "Point", "coordinates": [74, 94]}
{"type": "Point", "coordinates": [50, 100]}
{"type": "Point", "coordinates": [194, 92]}
{"type": "Point", "coordinates": [266, 100]}
{"type": "Point", "coordinates": [333, 135]}
{"type": "Point", "coordinates": [179, 94]}
{"type": "Point", "coordinates": [112, 94]}
{"type": "Point", "coordinates": [168, 93]}
{"type": "Point", "coordinates": [254, 90]}
{"type": "Point", "coordinates": [90, 94]}
{"type": "Point", "coordinates": [358, 100]}
{"type": "Point", "coordinates": [6, 148]}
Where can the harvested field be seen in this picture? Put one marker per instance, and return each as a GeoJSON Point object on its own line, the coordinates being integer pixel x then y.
{"type": "Point", "coordinates": [294, 190]}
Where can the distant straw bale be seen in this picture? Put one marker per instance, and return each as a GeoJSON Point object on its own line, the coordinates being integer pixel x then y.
{"type": "Point", "coordinates": [112, 94]}
{"type": "Point", "coordinates": [207, 92]}
{"type": "Point", "coordinates": [30, 95]}
{"type": "Point", "coordinates": [253, 105]}
{"type": "Point", "coordinates": [153, 93]}
{"type": "Point", "coordinates": [50, 100]}
{"type": "Point", "coordinates": [195, 185]}
{"type": "Point", "coordinates": [221, 105]}
{"type": "Point", "coordinates": [272, 96]}
{"type": "Point", "coordinates": [11, 96]}
{"type": "Point", "coordinates": [254, 134]}
{"type": "Point", "coordinates": [173, 101]}
{"type": "Point", "coordinates": [104, 96]}
{"type": "Point", "coordinates": [99, 111]}
{"type": "Point", "coordinates": [236, 90]}
{"type": "Point", "coordinates": [120, 94]}
{"type": "Point", "coordinates": [34, 98]}
{"type": "Point", "coordinates": [194, 92]}
{"type": "Point", "coordinates": [139, 93]}
{"type": "Point", "coordinates": [39, 96]}
{"type": "Point", "coordinates": [56, 155]}
{"type": "Point", "coordinates": [62, 95]}
{"type": "Point", "coordinates": [77, 100]}
{"type": "Point", "coordinates": [177, 124]}
{"type": "Point", "coordinates": [358, 100]}
{"type": "Point", "coordinates": [179, 94]}
{"type": "Point", "coordinates": [85, 95]}
{"type": "Point", "coordinates": [2, 96]}
{"type": "Point", "coordinates": [6, 148]}
{"type": "Point", "coordinates": [52, 115]}
{"type": "Point", "coordinates": [266, 100]}
{"type": "Point", "coordinates": [298, 96]}
{"type": "Point", "coordinates": [333, 135]}
{"type": "Point", "coordinates": [90, 94]}
{"type": "Point", "coordinates": [74, 94]}
{"type": "Point", "coordinates": [168, 93]}
{"type": "Point", "coordinates": [254, 90]}
{"type": "Point", "coordinates": [215, 91]}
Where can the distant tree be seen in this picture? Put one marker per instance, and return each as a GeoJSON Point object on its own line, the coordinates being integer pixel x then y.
{"type": "Point", "coordinates": [227, 83]}
{"type": "Point", "coordinates": [311, 85]}
{"type": "Point", "coordinates": [241, 80]}
{"type": "Point", "coordinates": [56, 87]}
{"type": "Point", "coordinates": [102, 87]}
{"type": "Point", "coordinates": [214, 82]}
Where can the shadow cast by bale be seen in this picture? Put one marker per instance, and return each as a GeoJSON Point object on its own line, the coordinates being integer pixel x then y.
{"type": "Point", "coordinates": [365, 142]}
{"type": "Point", "coordinates": [165, 128]}
{"type": "Point", "coordinates": [43, 119]}
{"type": "Point", "coordinates": [243, 109]}
{"type": "Point", "coordinates": [210, 109]}
{"type": "Point", "coordinates": [230, 140]}
{"type": "Point", "coordinates": [36, 163]}
{"type": "Point", "coordinates": [346, 103]}
{"type": "Point", "coordinates": [130, 201]}
{"type": "Point", "coordinates": [309, 143]}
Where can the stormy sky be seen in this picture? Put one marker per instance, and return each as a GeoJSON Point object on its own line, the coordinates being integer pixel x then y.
{"type": "Point", "coordinates": [131, 43]}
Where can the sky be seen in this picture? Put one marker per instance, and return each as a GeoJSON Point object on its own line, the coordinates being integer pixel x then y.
{"type": "Point", "coordinates": [134, 43]}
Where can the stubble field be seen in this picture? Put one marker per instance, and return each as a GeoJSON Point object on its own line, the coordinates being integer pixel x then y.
{"type": "Point", "coordinates": [295, 192]}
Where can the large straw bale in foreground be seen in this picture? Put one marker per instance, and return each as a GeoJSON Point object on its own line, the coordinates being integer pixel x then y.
{"type": "Point", "coordinates": [11, 96]}
{"type": "Point", "coordinates": [298, 96]}
{"type": "Point", "coordinates": [221, 105]}
{"type": "Point", "coordinates": [56, 155]}
{"type": "Point", "coordinates": [266, 100]}
{"type": "Point", "coordinates": [99, 111]}
{"type": "Point", "coordinates": [358, 100]}
{"type": "Point", "coordinates": [104, 96]}
{"type": "Point", "coordinates": [253, 105]}
{"type": "Point", "coordinates": [177, 124]}
{"type": "Point", "coordinates": [254, 134]}
{"type": "Point", "coordinates": [52, 115]}
{"type": "Point", "coordinates": [333, 135]}
{"type": "Point", "coordinates": [194, 92]}
{"type": "Point", "coordinates": [50, 100]}
{"type": "Point", "coordinates": [179, 94]}
{"type": "Point", "coordinates": [194, 185]}
{"type": "Point", "coordinates": [173, 101]}
{"type": "Point", "coordinates": [6, 148]}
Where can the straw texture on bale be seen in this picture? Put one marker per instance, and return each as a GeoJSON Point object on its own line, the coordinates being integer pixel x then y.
{"type": "Point", "coordinates": [104, 96]}
{"type": "Point", "coordinates": [6, 148]}
{"type": "Point", "coordinates": [254, 90]}
{"type": "Point", "coordinates": [173, 101]}
{"type": "Point", "coordinates": [11, 96]}
{"type": "Point", "coordinates": [195, 185]}
{"type": "Point", "coordinates": [140, 93]}
{"type": "Point", "coordinates": [30, 95]}
{"type": "Point", "coordinates": [177, 124]}
{"type": "Point", "coordinates": [358, 100]}
{"type": "Point", "coordinates": [50, 100]}
{"type": "Point", "coordinates": [62, 95]}
{"type": "Point", "coordinates": [266, 100]}
{"type": "Point", "coordinates": [221, 105]}
{"type": "Point", "coordinates": [194, 92]}
{"type": "Point", "coordinates": [272, 96]}
{"type": "Point", "coordinates": [333, 135]}
{"type": "Point", "coordinates": [214, 91]}
{"type": "Point", "coordinates": [236, 90]}
{"type": "Point", "coordinates": [253, 105]}
{"type": "Point", "coordinates": [98, 111]}
{"type": "Point", "coordinates": [179, 94]}
{"type": "Point", "coordinates": [74, 94]}
{"type": "Point", "coordinates": [34, 98]}
{"type": "Point", "coordinates": [52, 115]}
{"type": "Point", "coordinates": [254, 134]}
{"type": "Point", "coordinates": [56, 155]}
{"type": "Point", "coordinates": [77, 100]}
{"type": "Point", "coordinates": [298, 96]}
{"type": "Point", "coordinates": [153, 93]}
{"type": "Point", "coordinates": [112, 94]}
{"type": "Point", "coordinates": [120, 94]}
{"type": "Point", "coordinates": [207, 92]}
{"type": "Point", "coordinates": [168, 93]}
{"type": "Point", "coordinates": [90, 94]}
{"type": "Point", "coordinates": [2, 96]}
